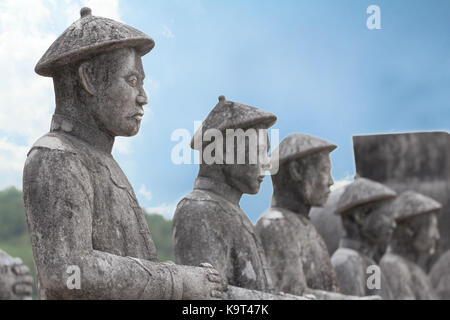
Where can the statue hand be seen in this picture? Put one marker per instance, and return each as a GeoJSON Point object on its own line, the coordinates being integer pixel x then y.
{"type": "Point", "coordinates": [202, 283]}
{"type": "Point", "coordinates": [23, 285]}
{"type": "Point", "coordinates": [15, 280]}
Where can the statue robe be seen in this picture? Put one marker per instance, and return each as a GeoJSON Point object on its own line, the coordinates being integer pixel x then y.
{"type": "Point", "coordinates": [406, 279]}
{"type": "Point", "coordinates": [296, 252]}
{"type": "Point", "coordinates": [353, 272]}
{"type": "Point", "coordinates": [83, 213]}
{"type": "Point", "coordinates": [209, 226]}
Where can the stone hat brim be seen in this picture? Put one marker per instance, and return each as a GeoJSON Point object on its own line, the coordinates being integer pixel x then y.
{"type": "Point", "coordinates": [232, 115]}
{"type": "Point", "coordinates": [363, 191]}
{"type": "Point", "coordinates": [298, 145]}
{"type": "Point", "coordinates": [89, 36]}
{"type": "Point", "coordinates": [411, 204]}
{"type": "Point", "coordinates": [142, 45]}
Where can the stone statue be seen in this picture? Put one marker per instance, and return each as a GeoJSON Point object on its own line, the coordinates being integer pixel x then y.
{"type": "Point", "coordinates": [15, 279]}
{"type": "Point", "coordinates": [405, 161]}
{"type": "Point", "coordinates": [368, 225]}
{"type": "Point", "coordinates": [208, 224]}
{"type": "Point", "coordinates": [415, 237]}
{"type": "Point", "coordinates": [295, 251]}
{"type": "Point", "coordinates": [327, 222]}
{"type": "Point", "coordinates": [417, 161]}
{"type": "Point", "coordinates": [88, 232]}
{"type": "Point", "coordinates": [440, 276]}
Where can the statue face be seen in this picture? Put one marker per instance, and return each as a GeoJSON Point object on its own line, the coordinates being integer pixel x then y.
{"type": "Point", "coordinates": [426, 235]}
{"type": "Point", "coordinates": [316, 179]}
{"type": "Point", "coordinates": [247, 177]}
{"type": "Point", "coordinates": [120, 97]}
{"type": "Point", "coordinates": [379, 225]}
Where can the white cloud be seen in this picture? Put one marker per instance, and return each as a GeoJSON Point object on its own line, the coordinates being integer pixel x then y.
{"type": "Point", "coordinates": [166, 210]}
{"type": "Point", "coordinates": [145, 193]}
{"type": "Point", "coordinates": [27, 29]}
{"type": "Point", "coordinates": [12, 156]}
{"type": "Point", "coordinates": [167, 32]}
{"type": "Point", "coordinates": [341, 183]}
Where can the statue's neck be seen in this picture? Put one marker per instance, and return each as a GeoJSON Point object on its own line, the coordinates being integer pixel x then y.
{"type": "Point", "coordinates": [364, 247]}
{"type": "Point", "coordinates": [290, 202]}
{"type": "Point", "coordinates": [219, 187]}
{"type": "Point", "coordinates": [83, 131]}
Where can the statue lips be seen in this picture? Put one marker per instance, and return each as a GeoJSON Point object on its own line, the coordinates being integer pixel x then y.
{"type": "Point", "coordinates": [138, 116]}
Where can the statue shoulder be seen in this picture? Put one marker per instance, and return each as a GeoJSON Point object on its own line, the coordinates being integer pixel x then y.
{"type": "Point", "coordinates": [271, 218]}
{"type": "Point", "coordinates": [54, 154]}
{"type": "Point", "coordinates": [197, 204]}
{"type": "Point", "coordinates": [347, 259]}
{"type": "Point", "coordinates": [53, 141]}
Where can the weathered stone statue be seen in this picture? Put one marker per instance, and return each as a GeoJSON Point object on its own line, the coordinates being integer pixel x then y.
{"type": "Point", "coordinates": [418, 161]}
{"type": "Point", "coordinates": [15, 279]}
{"type": "Point", "coordinates": [368, 225]}
{"type": "Point", "coordinates": [415, 237]}
{"type": "Point", "coordinates": [295, 251]}
{"type": "Point", "coordinates": [88, 233]}
{"type": "Point", "coordinates": [440, 276]}
{"type": "Point", "coordinates": [327, 222]}
{"type": "Point", "coordinates": [208, 224]}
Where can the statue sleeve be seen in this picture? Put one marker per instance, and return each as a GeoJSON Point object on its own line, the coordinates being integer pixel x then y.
{"type": "Point", "coordinates": [198, 235]}
{"type": "Point", "coordinates": [58, 197]}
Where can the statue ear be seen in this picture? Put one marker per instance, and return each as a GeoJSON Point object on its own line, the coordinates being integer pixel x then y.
{"type": "Point", "coordinates": [294, 170]}
{"type": "Point", "coordinates": [86, 76]}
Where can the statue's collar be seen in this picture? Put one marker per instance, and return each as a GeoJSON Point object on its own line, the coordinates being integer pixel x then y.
{"type": "Point", "coordinates": [91, 135]}
{"type": "Point", "coordinates": [219, 188]}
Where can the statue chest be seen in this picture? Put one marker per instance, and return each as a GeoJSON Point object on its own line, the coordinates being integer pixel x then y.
{"type": "Point", "coordinates": [248, 266]}
{"type": "Point", "coordinates": [317, 268]}
{"type": "Point", "coordinates": [118, 222]}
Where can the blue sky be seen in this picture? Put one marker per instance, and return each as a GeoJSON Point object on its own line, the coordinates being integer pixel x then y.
{"type": "Point", "coordinates": [312, 63]}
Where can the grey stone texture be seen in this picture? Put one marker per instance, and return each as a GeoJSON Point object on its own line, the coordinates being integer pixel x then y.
{"type": "Point", "coordinates": [238, 293]}
{"type": "Point", "coordinates": [440, 276]}
{"type": "Point", "coordinates": [368, 223]}
{"type": "Point", "coordinates": [88, 37]}
{"type": "Point", "coordinates": [418, 161]}
{"type": "Point", "coordinates": [327, 222]}
{"type": "Point", "coordinates": [209, 224]}
{"type": "Point", "coordinates": [81, 209]}
{"type": "Point", "coordinates": [231, 115]}
{"type": "Point", "coordinates": [296, 252]}
{"type": "Point", "coordinates": [15, 279]}
{"type": "Point", "coordinates": [414, 238]}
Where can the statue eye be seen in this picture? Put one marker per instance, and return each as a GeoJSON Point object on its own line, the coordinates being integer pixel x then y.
{"type": "Point", "coordinates": [133, 80]}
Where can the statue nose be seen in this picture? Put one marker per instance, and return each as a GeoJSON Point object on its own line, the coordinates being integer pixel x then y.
{"type": "Point", "coordinates": [142, 100]}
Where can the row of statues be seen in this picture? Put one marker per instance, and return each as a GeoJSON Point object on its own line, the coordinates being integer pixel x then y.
{"type": "Point", "coordinates": [83, 214]}
{"type": "Point", "coordinates": [284, 252]}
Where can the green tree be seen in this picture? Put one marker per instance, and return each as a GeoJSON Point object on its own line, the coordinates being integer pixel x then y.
{"type": "Point", "coordinates": [161, 230]}
{"type": "Point", "coordinates": [12, 214]}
